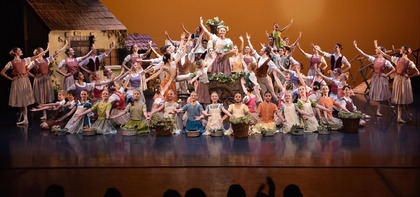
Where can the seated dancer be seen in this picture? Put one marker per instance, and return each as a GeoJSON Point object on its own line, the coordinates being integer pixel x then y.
{"type": "Point", "coordinates": [213, 112]}
{"type": "Point", "coordinates": [290, 112]}
{"type": "Point", "coordinates": [72, 66]}
{"type": "Point", "coordinates": [337, 83]}
{"type": "Point", "coordinates": [77, 123]}
{"type": "Point", "coordinates": [236, 110]}
{"type": "Point", "coordinates": [21, 93]}
{"type": "Point", "coordinates": [80, 85]}
{"type": "Point", "coordinates": [61, 96]}
{"type": "Point", "coordinates": [194, 110]}
{"type": "Point", "coordinates": [347, 103]}
{"type": "Point", "coordinates": [327, 117]}
{"type": "Point", "coordinates": [168, 110]}
{"type": "Point", "coordinates": [62, 115]}
{"type": "Point", "coordinates": [379, 85]}
{"type": "Point", "coordinates": [276, 34]}
{"type": "Point", "coordinates": [266, 110]}
{"type": "Point", "coordinates": [117, 101]}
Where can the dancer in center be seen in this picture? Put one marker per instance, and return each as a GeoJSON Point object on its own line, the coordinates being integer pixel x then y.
{"type": "Point", "coordinates": [223, 47]}
{"type": "Point", "coordinates": [214, 111]}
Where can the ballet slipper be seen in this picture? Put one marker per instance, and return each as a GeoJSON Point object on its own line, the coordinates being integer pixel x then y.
{"type": "Point", "coordinates": [378, 114]}
{"type": "Point", "coordinates": [24, 122]}
{"type": "Point", "coordinates": [43, 118]}
{"type": "Point", "coordinates": [20, 116]}
{"type": "Point", "coordinates": [366, 116]}
{"type": "Point", "coordinates": [399, 120]}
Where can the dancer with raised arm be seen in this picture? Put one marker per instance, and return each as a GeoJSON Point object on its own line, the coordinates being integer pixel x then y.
{"type": "Point", "coordinates": [336, 59]}
{"type": "Point", "coordinates": [134, 55]}
{"type": "Point", "coordinates": [379, 85]}
{"type": "Point", "coordinates": [276, 34]}
{"type": "Point", "coordinates": [42, 87]}
{"type": "Point", "coordinates": [223, 47]}
{"type": "Point", "coordinates": [21, 93]}
{"type": "Point", "coordinates": [402, 93]}
{"type": "Point", "coordinates": [315, 60]}
{"type": "Point", "coordinates": [93, 62]}
{"type": "Point", "coordinates": [237, 60]}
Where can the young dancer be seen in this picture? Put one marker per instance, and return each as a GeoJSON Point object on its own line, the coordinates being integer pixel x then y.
{"type": "Point", "coordinates": [222, 46]}
{"type": "Point", "coordinates": [103, 124]}
{"type": "Point", "coordinates": [64, 114]}
{"type": "Point", "coordinates": [237, 60]}
{"type": "Point", "coordinates": [213, 112]}
{"type": "Point", "coordinates": [236, 110]}
{"type": "Point", "coordinates": [347, 103]}
{"type": "Point", "coordinates": [134, 56]}
{"type": "Point", "coordinates": [21, 93]}
{"type": "Point", "coordinates": [379, 85]}
{"type": "Point", "coordinates": [290, 111]}
{"type": "Point", "coordinates": [202, 87]}
{"type": "Point", "coordinates": [76, 123]}
{"type": "Point", "coordinates": [402, 93]}
{"type": "Point", "coordinates": [117, 101]}
{"type": "Point", "coordinates": [328, 102]}
{"type": "Point", "coordinates": [135, 80]}
{"type": "Point", "coordinates": [266, 110]}
{"type": "Point", "coordinates": [138, 114]}
{"type": "Point", "coordinates": [61, 96]}
{"type": "Point", "coordinates": [194, 110]}
{"type": "Point", "coordinates": [276, 34]}
{"type": "Point", "coordinates": [337, 59]}
{"type": "Point", "coordinates": [248, 57]}
{"type": "Point", "coordinates": [168, 110]}
{"type": "Point", "coordinates": [307, 105]}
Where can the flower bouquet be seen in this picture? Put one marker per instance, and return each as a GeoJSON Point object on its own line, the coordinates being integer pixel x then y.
{"type": "Point", "coordinates": [240, 125]}
{"type": "Point", "coordinates": [163, 126]}
{"type": "Point", "coordinates": [296, 130]}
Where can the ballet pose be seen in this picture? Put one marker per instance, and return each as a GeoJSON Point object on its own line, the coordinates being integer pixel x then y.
{"type": "Point", "coordinates": [93, 62]}
{"type": "Point", "coordinates": [103, 124]}
{"type": "Point", "coordinates": [202, 87]}
{"type": "Point", "coordinates": [379, 85]}
{"type": "Point", "coordinates": [315, 60]}
{"type": "Point", "coordinates": [337, 59]}
{"type": "Point", "coordinates": [138, 114]}
{"type": "Point", "coordinates": [64, 113]}
{"type": "Point", "coordinates": [276, 34]}
{"type": "Point", "coordinates": [134, 56]}
{"type": "Point", "coordinates": [117, 101]}
{"type": "Point", "coordinates": [290, 112]}
{"type": "Point", "coordinates": [72, 66]}
{"type": "Point", "coordinates": [347, 103]}
{"type": "Point", "coordinates": [21, 93]}
{"type": "Point", "coordinates": [236, 61]}
{"type": "Point", "coordinates": [135, 80]}
{"type": "Point", "coordinates": [61, 96]}
{"type": "Point", "coordinates": [223, 47]}
{"type": "Point", "coordinates": [168, 110]}
{"type": "Point", "coordinates": [402, 93]}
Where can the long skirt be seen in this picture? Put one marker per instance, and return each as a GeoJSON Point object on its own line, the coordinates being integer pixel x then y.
{"type": "Point", "coordinates": [104, 127]}
{"type": "Point", "coordinates": [379, 88]}
{"type": "Point", "coordinates": [203, 93]}
{"type": "Point", "coordinates": [43, 89]}
{"type": "Point", "coordinates": [312, 72]}
{"type": "Point", "coordinates": [142, 126]}
{"type": "Point", "coordinates": [194, 125]}
{"type": "Point", "coordinates": [68, 81]}
{"type": "Point", "coordinates": [172, 86]}
{"type": "Point", "coordinates": [335, 123]}
{"type": "Point", "coordinates": [21, 94]}
{"type": "Point", "coordinates": [402, 92]}
{"type": "Point", "coordinates": [76, 126]}
{"type": "Point", "coordinates": [221, 65]}
{"type": "Point", "coordinates": [122, 120]}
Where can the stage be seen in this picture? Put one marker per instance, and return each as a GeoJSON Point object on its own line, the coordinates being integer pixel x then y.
{"type": "Point", "coordinates": [382, 160]}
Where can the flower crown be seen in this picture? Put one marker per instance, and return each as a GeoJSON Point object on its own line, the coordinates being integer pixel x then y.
{"type": "Point", "coordinates": [222, 26]}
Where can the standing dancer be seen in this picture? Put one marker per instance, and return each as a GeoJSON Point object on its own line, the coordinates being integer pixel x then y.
{"type": "Point", "coordinates": [237, 60]}
{"type": "Point", "coordinates": [42, 87]}
{"type": "Point", "coordinates": [379, 85]}
{"type": "Point", "coordinates": [263, 63]}
{"type": "Point", "coordinates": [72, 66]}
{"type": "Point", "coordinates": [337, 59]}
{"type": "Point", "coordinates": [21, 94]}
{"type": "Point", "coordinates": [93, 62]}
{"type": "Point", "coordinates": [135, 81]}
{"type": "Point", "coordinates": [202, 87]}
{"type": "Point", "coordinates": [315, 60]}
{"type": "Point", "coordinates": [402, 93]}
{"type": "Point", "coordinates": [276, 34]}
{"type": "Point", "coordinates": [248, 58]}
{"type": "Point", "coordinates": [134, 56]}
{"type": "Point", "coordinates": [222, 46]}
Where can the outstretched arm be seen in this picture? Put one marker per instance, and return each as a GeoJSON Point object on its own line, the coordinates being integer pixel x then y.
{"type": "Point", "coordinates": [61, 50]}
{"type": "Point", "coordinates": [41, 54]}
{"type": "Point", "coordinates": [287, 26]}
{"type": "Point", "coordinates": [375, 42]}
{"type": "Point", "coordinates": [155, 75]}
{"type": "Point", "coordinates": [301, 50]}
{"type": "Point", "coordinates": [204, 28]}
{"type": "Point", "coordinates": [242, 45]}
{"type": "Point", "coordinates": [169, 38]}
{"type": "Point", "coordinates": [151, 47]}
{"type": "Point", "coordinates": [186, 31]}
{"type": "Point", "coordinates": [360, 50]}
{"type": "Point", "coordinates": [320, 51]}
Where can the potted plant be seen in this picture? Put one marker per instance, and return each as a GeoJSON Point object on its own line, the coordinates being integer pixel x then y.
{"type": "Point", "coordinates": [163, 126]}
{"type": "Point", "coordinates": [350, 121]}
{"type": "Point", "coordinates": [240, 125]}
{"type": "Point", "coordinates": [58, 131]}
{"type": "Point", "coordinates": [324, 129]}
{"type": "Point", "coordinates": [214, 23]}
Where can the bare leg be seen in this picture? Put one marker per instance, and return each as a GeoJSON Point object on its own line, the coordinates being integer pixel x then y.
{"type": "Point", "coordinates": [399, 115]}
{"type": "Point", "coordinates": [25, 116]}
{"type": "Point", "coordinates": [44, 115]}
{"type": "Point", "coordinates": [378, 112]}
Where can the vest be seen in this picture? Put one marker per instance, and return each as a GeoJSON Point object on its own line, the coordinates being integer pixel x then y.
{"type": "Point", "coordinates": [119, 104]}
{"type": "Point", "coordinates": [349, 106]}
{"type": "Point", "coordinates": [42, 68]}
{"type": "Point", "coordinates": [262, 70]}
{"type": "Point", "coordinates": [184, 69]}
{"type": "Point", "coordinates": [19, 68]}
{"type": "Point", "coordinates": [314, 61]}
{"type": "Point", "coordinates": [378, 66]}
{"type": "Point", "coordinates": [133, 59]}
{"type": "Point", "coordinates": [402, 67]}
{"type": "Point", "coordinates": [72, 67]}
{"type": "Point", "coordinates": [97, 93]}
{"type": "Point", "coordinates": [93, 65]}
{"type": "Point", "coordinates": [336, 64]}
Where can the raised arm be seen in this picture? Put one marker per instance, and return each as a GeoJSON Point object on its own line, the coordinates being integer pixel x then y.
{"type": "Point", "coordinates": [375, 42]}
{"type": "Point", "coordinates": [304, 53]}
{"type": "Point", "coordinates": [293, 46]}
{"type": "Point", "coordinates": [360, 50]}
{"type": "Point", "coordinates": [169, 38]}
{"type": "Point", "coordinates": [61, 50]}
{"type": "Point", "coordinates": [276, 79]}
{"type": "Point", "coordinates": [110, 48]}
{"type": "Point", "coordinates": [320, 51]}
{"type": "Point", "coordinates": [151, 48]}
{"type": "Point", "coordinates": [186, 31]}
{"type": "Point", "coordinates": [204, 28]}
{"type": "Point", "coordinates": [287, 26]}
{"type": "Point", "coordinates": [156, 74]}
{"type": "Point", "coordinates": [248, 37]}
{"type": "Point", "coordinates": [242, 45]}
{"type": "Point", "coordinates": [41, 54]}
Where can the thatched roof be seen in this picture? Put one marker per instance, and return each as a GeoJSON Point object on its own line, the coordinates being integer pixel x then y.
{"type": "Point", "coordinates": [142, 41]}
{"type": "Point", "coordinates": [76, 15]}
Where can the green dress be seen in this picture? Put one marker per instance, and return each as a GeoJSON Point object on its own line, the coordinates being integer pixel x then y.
{"type": "Point", "coordinates": [137, 110]}
{"type": "Point", "coordinates": [277, 38]}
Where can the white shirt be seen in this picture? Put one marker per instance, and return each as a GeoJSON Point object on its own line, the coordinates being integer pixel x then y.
{"type": "Point", "coordinates": [9, 64]}
{"type": "Point", "coordinates": [343, 103]}
{"type": "Point", "coordinates": [262, 60]}
{"type": "Point", "coordinates": [89, 86]}
{"type": "Point", "coordinates": [387, 63]}
{"type": "Point", "coordinates": [395, 60]}
{"type": "Point", "coordinates": [63, 62]}
{"type": "Point", "coordinates": [343, 59]}
{"type": "Point", "coordinates": [32, 64]}
{"type": "Point", "coordinates": [101, 57]}
{"type": "Point", "coordinates": [128, 57]}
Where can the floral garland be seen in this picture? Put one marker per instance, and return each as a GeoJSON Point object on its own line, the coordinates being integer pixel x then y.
{"type": "Point", "coordinates": [158, 121]}
{"type": "Point", "coordinates": [355, 115]}
{"type": "Point", "coordinates": [241, 120]}
{"type": "Point", "coordinates": [223, 78]}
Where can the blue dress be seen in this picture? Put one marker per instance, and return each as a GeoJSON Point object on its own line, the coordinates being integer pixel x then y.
{"type": "Point", "coordinates": [193, 111]}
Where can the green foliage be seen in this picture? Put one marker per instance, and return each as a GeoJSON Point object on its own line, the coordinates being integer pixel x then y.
{"type": "Point", "coordinates": [158, 121]}
{"type": "Point", "coordinates": [354, 115]}
{"type": "Point", "coordinates": [226, 78]}
{"type": "Point", "coordinates": [214, 21]}
{"type": "Point", "coordinates": [241, 120]}
{"type": "Point", "coordinates": [128, 127]}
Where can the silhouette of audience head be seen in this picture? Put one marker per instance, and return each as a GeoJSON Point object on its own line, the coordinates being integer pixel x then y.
{"type": "Point", "coordinates": [236, 191]}
{"type": "Point", "coordinates": [112, 192]}
{"type": "Point", "coordinates": [54, 191]}
{"type": "Point", "coordinates": [195, 192]}
{"type": "Point", "coordinates": [292, 191]}
{"type": "Point", "coordinates": [171, 193]}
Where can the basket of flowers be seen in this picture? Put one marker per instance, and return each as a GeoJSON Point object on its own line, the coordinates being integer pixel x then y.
{"type": "Point", "coordinates": [217, 132]}
{"type": "Point", "coordinates": [193, 133]}
{"type": "Point", "coordinates": [240, 125]}
{"type": "Point", "coordinates": [214, 23]}
{"type": "Point", "coordinates": [324, 129]}
{"type": "Point", "coordinates": [163, 126]}
{"type": "Point", "coordinates": [267, 132]}
{"type": "Point", "coordinates": [128, 130]}
{"type": "Point", "coordinates": [350, 121]}
{"type": "Point", "coordinates": [296, 130]}
{"type": "Point", "coordinates": [58, 131]}
{"type": "Point", "coordinates": [89, 131]}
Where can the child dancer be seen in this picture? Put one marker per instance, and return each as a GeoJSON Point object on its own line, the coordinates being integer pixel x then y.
{"type": "Point", "coordinates": [328, 102]}
{"type": "Point", "coordinates": [236, 110]}
{"type": "Point", "coordinates": [266, 110]}
{"type": "Point", "coordinates": [76, 123]}
{"type": "Point", "coordinates": [194, 110]}
{"type": "Point", "coordinates": [402, 93]}
{"type": "Point", "coordinates": [202, 88]}
{"type": "Point", "coordinates": [42, 87]}
{"type": "Point", "coordinates": [213, 111]}
{"type": "Point", "coordinates": [347, 103]}
{"type": "Point", "coordinates": [336, 83]}
{"type": "Point", "coordinates": [80, 85]}
{"type": "Point", "coordinates": [251, 79]}
{"type": "Point", "coordinates": [61, 95]}
{"type": "Point", "coordinates": [103, 124]}
{"type": "Point", "coordinates": [276, 34]}
{"type": "Point", "coordinates": [138, 114]}
{"type": "Point", "coordinates": [289, 110]}
{"type": "Point", "coordinates": [307, 105]}
{"type": "Point", "coordinates": [135, 80]}
{"type": "Point", "coordinates": [21, 94]}
{"type": "Point", "coordinates": [168, 109]}
{"type": "Point", "coordinates": [72, 66]}
{"type": "Point", "coordinates": [62, 115]}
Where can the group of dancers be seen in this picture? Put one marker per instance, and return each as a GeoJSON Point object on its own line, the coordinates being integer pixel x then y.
{"type": "Point", "coordinates": [275, 91]}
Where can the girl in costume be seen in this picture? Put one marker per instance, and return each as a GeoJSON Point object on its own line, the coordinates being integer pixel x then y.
{"type": "Point", "coordinates": [307, 105]}
{"type": "Point", "coordinates": [213, 112]}
{"type": "Point", "coordinates": [315, 60]}
{"type": "Point", "coordinates": [266, 110]}
{"type": "Point", "coordinates": [237, 60]}
{"type": "Point", "coordinates": [327, 117]}
{"type": "Point", "coordinates": [62, 115]}
{"type": "Point", "coordinates": [117, 101]}
{"type": "Point", "coordinates": [76, 123]}
{"type": "Point", "coordinates": [135, 80]}
{"type": "Point", "coordinates": [168, 110]}
{"type": "Point", "coordinates": [194, 110]}
{"type": "Point", "coordinates": [202, 87]}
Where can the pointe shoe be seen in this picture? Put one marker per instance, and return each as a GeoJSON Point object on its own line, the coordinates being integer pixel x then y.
{"type": "Point", "coordinates": [20, 116]}
{"type": "Point", "coordinates": [401, 121]}
{"type": "Point", "coordinates": [24, 122]}
{"type": "Point", "coordinates": [43, 118]}
{"type": "Point", "coordinates": [378, 114]}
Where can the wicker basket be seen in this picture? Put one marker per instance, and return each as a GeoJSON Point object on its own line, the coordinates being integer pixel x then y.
{"type": "Point", "coordinates": [351, 125]}
{"type": "Point", "coordinates": [60, 131]}
{"type": "Point", "coordinates": [240, 130]}
{"type": "Point", "coordinates": [195, 133]}
{"type": "Point", "coordinates": [89, 132]}
{"type": "Point", "coordinates": [217, 133]}
{"type": "Point", "coordinates": [323, 130]}
{"type": "Point", "coordinates": [297, 131]}
{"type": "Point", "coordinates": [160, 131]}
{"type": "Point", "coordinates": [128, 132]}
{"type": "Point", "coordinates": [268, 133]}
